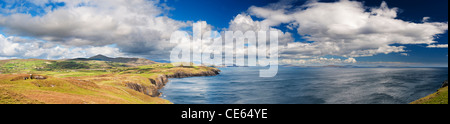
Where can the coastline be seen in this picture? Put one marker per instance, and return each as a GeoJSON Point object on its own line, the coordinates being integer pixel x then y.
{"type": "Point", "coordinates": [100, 89]}
{"type": "Point", "coordinates": [31, 81]}
{"type": "Point", "coordinates": [308, 86]}
{"type": "Point", "coordinates": [161, 80]}
{"type": "Point", "coordinates": [439, 97]}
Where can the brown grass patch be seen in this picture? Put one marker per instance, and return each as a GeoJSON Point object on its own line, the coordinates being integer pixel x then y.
{"type": "Point", "coordinates": [63, 98]}
{"type": "Point", "coordinates": [8, 97]}
{"type": "Point", "coordinates": [82, 83]}
{"type": "Point", "coordinates": [46, 83]}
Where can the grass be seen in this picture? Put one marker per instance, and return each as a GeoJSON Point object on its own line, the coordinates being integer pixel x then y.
{"type": "Point", "coordinates": [81, 82]}
{"type": "Point", "coordinates": [11, 66]}
{"type": "Point", "coordinates": [80, 73]}
{"type": "Point", "coordinates": [81, 90]}
{"type": "Point", "coordinates": [8, 97]}
{"type": "Point", "coordinates": [440, 97]}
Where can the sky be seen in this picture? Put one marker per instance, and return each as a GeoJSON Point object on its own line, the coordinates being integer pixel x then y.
{"type": "Point", "coordinates": [311, 32]}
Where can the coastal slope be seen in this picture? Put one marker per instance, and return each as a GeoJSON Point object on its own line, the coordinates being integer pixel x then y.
{"type": "Point", "coordinates": [440, 97]}
{"type": "Point", "coordinates": [33, 81]}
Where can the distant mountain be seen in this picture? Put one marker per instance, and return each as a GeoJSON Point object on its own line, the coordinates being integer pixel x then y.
{"type": "Point", "coordinates": [100, 58]}
{"type": "Point", "coordinates": [344, 66]}
{"type": "Point", "coordinates": [323, 66]}
{"type": "Point", "coordinates": [130, 61]}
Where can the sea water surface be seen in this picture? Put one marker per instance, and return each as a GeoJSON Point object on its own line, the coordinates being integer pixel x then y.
{"type": "Point", "coordinates": [294, 85]}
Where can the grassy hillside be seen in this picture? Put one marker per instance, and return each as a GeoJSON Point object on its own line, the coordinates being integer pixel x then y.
{"type": "Point", "coordinates": [440, 97]}
{"type": "Point", "coordinates": [34, 81]}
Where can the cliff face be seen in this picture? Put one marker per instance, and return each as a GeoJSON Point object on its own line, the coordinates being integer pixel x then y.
{"type": "Point", "coordinates": [96, 80]}
{"type": "Point", "coordinates": [160, 81]}
{"type": "Point", "coordinates": [180, 74]}
{"type": "Point", "coordinates": [445, 84]}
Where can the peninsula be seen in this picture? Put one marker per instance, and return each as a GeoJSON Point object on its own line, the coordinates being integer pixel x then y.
{"type": "Point", "coordinates": [95, 80]}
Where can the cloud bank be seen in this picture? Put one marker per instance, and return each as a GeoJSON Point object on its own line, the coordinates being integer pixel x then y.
{"type": "Point", "coordinates": [347, 29]}
{"type": "Point", "coordinates": [79, 28]}
{"type": "Point", "coordinates": [136, 27]}
{"type": "Point", "coordinates": [11, 47]}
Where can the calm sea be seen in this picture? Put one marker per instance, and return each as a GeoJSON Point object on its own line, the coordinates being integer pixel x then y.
{"type": "Point", "coordinates": [295, 85]}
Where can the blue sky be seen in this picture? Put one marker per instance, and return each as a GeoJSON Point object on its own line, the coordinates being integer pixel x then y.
{"type": "Point", "coordinates": [218, 14]}
{"type": "Point", "coordinates": [178, 14]}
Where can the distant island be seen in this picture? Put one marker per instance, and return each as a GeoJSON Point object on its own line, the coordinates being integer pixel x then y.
{"type": "Point", "coordinates": [95, 80]}
{"type": "Point", "coordinates": [345, 66]}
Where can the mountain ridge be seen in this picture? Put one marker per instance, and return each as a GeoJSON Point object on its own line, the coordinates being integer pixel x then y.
{"type": "Point", "coordinates": [129, 61]}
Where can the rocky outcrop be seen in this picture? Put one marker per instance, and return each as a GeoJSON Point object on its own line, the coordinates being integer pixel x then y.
{"type": "Point", "coordinates": [29, 77]}
{"type": "Point", "coordinates": [437, 97]}
{"type": "Point", "coordinates": [212, 72]}
{"type": "Point", "coordinates": [38, 77]}
{"type": "Point", "coordinates": [140, 88]}
{"type": "Point", "coordinates": [160, 81]}
{"type": "Point", "coordinates": [445, 84]}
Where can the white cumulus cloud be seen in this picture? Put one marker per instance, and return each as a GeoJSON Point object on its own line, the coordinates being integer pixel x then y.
{"type": "Point", "coordinates": [138, 27]}
{"type": "Point", "coordinates": [346, 28]}
{"type": "Point", "coordinates": [9, 48]}
{"type": "Point", "coordinates": [438, 46]}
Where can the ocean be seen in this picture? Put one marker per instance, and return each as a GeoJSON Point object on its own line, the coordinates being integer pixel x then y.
{"type": "Point", "coordinates": [295, 85]}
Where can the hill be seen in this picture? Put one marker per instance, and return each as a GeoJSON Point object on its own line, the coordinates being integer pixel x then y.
{"type": "Point", "coordinates": [95, 80]}
{"type": "Point", "coordinates": [128, 61]}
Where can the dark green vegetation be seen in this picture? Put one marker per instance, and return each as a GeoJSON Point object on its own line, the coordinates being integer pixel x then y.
{"type": "Point", "coordinates": [95, 80]}
{"type": "Point", "coordinates": [66, 65]}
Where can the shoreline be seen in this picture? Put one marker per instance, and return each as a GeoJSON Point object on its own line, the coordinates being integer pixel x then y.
{"type": "Point", "coordinates": [27, 81]}
{"type": "Point", "coordinates": [124, 89]}
{"type": "Point", "coordinates": [439, 97]}
{"type": "Point", "coordinates": [161, 81]}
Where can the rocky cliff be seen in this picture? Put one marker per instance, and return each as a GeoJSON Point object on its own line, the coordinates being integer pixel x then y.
{"type": "Point", "coordinates": [445, 84]}
{"type": "Point", "coordinates": [161, 80]}
{"type": "Point", "coordinates": [180, 74]}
